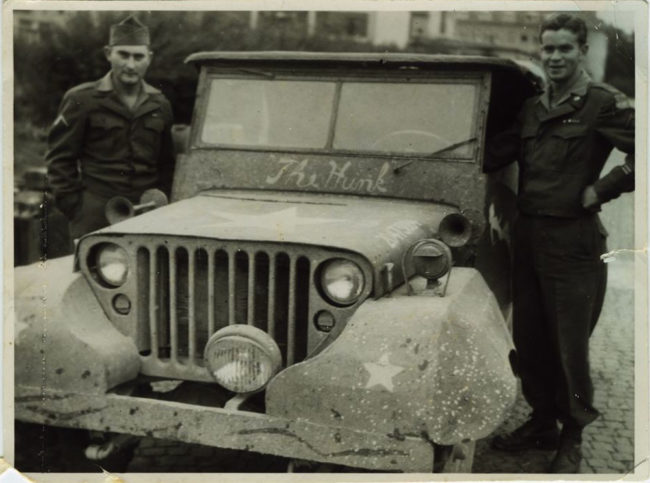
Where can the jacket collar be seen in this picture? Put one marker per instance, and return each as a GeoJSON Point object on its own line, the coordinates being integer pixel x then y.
{"type": "Point", "coordinates": [105, 84]}
{"type": "Point", "coordinates": [571, 101]}
{"type": "Point", "coordinates": [577, 89]}
{"type": "Point", "coordinates": [105, 88]}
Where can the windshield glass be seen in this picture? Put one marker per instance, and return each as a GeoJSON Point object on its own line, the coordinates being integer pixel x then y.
{"type": "Point", "coordinates": [436, 118]}
{"type": "Point", "coordinates": [279, 114]}
{"type": "Point", "coordinates": [406, 118]}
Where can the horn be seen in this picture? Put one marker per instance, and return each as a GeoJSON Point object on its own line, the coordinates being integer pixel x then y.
{"type": "Point", "coordinates": [120, 208]}
{"type": "Point", "coordinates": [455, 230]}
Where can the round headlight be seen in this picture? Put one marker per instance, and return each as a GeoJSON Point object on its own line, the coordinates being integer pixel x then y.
{"type": "Point", "coordinates": [342, 281]}
{"type": "Point", "coordinates": [242, 358]}
{"type": "Point", "coordinates": [112, 263]}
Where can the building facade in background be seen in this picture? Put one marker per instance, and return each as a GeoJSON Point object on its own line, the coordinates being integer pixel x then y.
{"type": "Point", "coordinates": [510, 34]}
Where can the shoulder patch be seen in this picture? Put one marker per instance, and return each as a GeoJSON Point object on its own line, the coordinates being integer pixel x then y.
{"type": "Point", "coordinates": [621, 100]}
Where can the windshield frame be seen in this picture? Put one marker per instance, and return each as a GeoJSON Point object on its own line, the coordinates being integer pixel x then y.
{"type": "Point", "coordinates": [480, 79]}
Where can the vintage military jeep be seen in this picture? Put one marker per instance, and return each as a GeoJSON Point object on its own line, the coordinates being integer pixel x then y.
{"type": "Point", "coordinates": [332, 271]}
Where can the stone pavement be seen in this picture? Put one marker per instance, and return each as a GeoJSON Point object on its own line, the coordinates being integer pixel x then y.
{"type": "Point", "coordinates": [608, 443]}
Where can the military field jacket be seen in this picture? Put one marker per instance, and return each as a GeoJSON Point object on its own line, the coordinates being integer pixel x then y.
{"type": "Point", "coordinates": [99, 144]}
{"type": "Point", "coordinates": [562, 149]}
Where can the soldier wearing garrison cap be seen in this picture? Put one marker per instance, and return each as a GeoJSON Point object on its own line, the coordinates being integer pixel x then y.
{"type": "Point", "coordinates": [111, 136]}
{"type": "Point", "coordinates": [561, 140]}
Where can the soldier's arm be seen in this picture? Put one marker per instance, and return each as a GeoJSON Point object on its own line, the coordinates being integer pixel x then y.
{"type": "Point", "coordinates": [616, 124]}
{"type": "Point", "coordinates": [65, 139]}
{"type": "Point", "coordinates": [503, 148]}
{"type": "Point", "coordinates": [167, 161]}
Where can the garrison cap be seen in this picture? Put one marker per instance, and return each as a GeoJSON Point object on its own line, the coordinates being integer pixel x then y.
{"type": "Point", "coordinates": [129, 31]}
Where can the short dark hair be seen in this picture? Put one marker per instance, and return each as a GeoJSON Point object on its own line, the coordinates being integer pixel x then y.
{"type": "Point", "coordinates": [565, 21]}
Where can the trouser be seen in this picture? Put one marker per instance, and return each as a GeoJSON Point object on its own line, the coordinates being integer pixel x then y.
{"type": "Point", "coordinates": [91, 213]}
{"type": "Point", "coordinates": [558, 290]}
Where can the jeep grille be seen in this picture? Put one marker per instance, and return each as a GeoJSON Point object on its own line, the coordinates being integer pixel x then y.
{"type": "Point", "coordinates": [191, 292]}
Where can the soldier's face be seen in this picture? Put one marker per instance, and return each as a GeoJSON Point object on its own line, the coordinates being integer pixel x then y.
{"type": "Point", "coordinates": [561, 54]}
{"type": "Point", "coordinates": [129, 63]}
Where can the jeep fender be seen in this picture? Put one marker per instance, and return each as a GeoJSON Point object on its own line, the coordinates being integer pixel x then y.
{"type": "Point", "coordinates": [435, 367]}
{"type": "Point", "coordinates": [64, 341]}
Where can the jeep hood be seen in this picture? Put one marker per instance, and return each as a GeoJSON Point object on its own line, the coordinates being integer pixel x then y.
{"type": "Point", "coordinates": [378, 229]}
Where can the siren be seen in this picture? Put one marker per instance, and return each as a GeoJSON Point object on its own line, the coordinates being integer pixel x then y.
{"type": "Point", "coordinates": [120, 208]}
{"type": "Point", "coordinates": [455, 230]}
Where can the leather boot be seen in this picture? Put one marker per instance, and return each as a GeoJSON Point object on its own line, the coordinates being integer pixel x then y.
{"type": "Point", "coordinates": [569, 453]}
{"type": "Point", "coordinates": [536, 433]}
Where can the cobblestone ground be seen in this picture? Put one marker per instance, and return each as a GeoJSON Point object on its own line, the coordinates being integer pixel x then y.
{"type": "Point", "coordinates": [608, 443]}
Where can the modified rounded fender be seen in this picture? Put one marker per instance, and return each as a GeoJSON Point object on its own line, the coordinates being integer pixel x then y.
{"type": "Point", "coordinates": [435, 367]}
{"type": "Point", "coordinates": [64, 341]}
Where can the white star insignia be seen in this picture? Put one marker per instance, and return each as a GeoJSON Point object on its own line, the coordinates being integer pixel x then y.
{"type": "Point", "coordinates": [283, 221]}
{"type": "Point", "coordinates": [382, 373]}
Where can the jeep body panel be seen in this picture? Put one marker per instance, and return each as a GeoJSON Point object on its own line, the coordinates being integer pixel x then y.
{"type": "Point", "coordinates": [64, 339]}
{"type": "Point", "coordinates": [224, 428]}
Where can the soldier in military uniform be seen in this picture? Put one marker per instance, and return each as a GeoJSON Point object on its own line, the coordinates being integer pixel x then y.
{"type": "Point", "coordinates": [562, 139]}
{"type": "Point", "coordinates": [112, 136]}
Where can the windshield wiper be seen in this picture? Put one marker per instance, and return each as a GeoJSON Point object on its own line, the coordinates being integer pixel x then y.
{"type": "Point", "coordinates": [451, 147]}
{"type": "Point", "coordinates": [268, 75]}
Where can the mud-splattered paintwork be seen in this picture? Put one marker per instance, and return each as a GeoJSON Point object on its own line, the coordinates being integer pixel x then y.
{"type": "Point", "coordinates": [404, 372]}
{"type": "Point", "coordinates": [63, 338]}
{"type": "Point", "coordinates": [410, 365]}
{"type": "Point", "coordinates": [454, 183]}
{"type": "Point", "coordinates": [219, 427]}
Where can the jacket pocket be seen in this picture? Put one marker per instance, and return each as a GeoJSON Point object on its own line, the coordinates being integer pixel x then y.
{"type": "Point", "coordinates": [103, 121]}
{"type": "Point", "coordinates": [562, 143]}
{"type": "Point", "coordinates": [154, 123]}
{"type": "Point", "coordinates": [106, 133]}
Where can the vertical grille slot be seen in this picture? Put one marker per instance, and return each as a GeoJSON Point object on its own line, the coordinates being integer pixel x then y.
{"type": "Point", "coordinates": [201, 324]}
{"type": "Point", "coordinates": [211, 291]}
{"type": "Point", "coordinates": [250, 292]}
{"type": "Point", "coordinates": [159, 301]}
{"type": "Point", "coordinates": [302, 307]}
{"type": "Point", "coordinates": [270, 314]}
{"type": "Point", "coordinates": [261, 290]}
{"type": "Point", "coordinates": [281, 298]}
{"type": "Point", "coordinates": [221, 292]}
{"type": "Point", "coordinates": [145, 285]}
{"type": "Point", "coordinates": [291, 314]}
{"type": "Point", "coordinates": [231, 288]}
{"type": "Point", "coordinates": [241, 287]}
{"type": "Point", "coordinates": [173, 314]}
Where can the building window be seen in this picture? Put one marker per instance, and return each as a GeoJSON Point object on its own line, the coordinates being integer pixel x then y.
{"type": "Point", "coordinates": [342, 24]}
{"type": "Point", "coordinates": [419, 23]}
{"type": "Point", "coordinates": [294, 22]}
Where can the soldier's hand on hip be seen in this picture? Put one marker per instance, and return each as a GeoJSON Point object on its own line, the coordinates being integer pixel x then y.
{"type": "Point", "coordinates": [590, 199]}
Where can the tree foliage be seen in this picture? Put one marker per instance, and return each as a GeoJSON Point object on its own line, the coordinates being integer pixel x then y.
{"type": "Point", "coordinates": [72, 52]}
{"type": "Point", "coordinates": [619, 67]}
